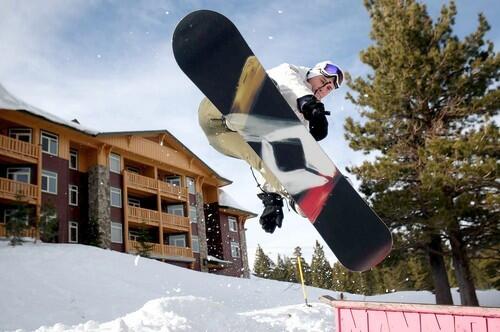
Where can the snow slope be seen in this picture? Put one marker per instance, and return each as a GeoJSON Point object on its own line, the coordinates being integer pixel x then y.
{"type": "Point", "coordinates": [66, 287]}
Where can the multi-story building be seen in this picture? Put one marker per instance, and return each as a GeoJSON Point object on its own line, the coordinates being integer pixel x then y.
{"type": "Point", "coordinates": [130, 183]}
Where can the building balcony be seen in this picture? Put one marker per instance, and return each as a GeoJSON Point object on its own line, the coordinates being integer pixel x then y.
{"type": "Point", "coordinates": [155, 218]}
{"type": "Point", "coordinates": [171, 191]}
{"type": "Point", "coordinates": [175, 222]}
{"type": "Point", "coordinates": [154, 186]}
{"type": "Point", "coordinates": [165, 251]}
{"type": "Point", "coordinates": [12, 190]}
{"type": "Point", "coordinates": [19, 150]}
{"type": "Point", "coordinates": [143, 216]}
{"type": "Point", "coordinates": [30, 232]}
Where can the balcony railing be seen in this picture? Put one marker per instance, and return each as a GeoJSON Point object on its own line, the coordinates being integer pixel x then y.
{"type": "Point", "coordinates": [152, 185]}
{"type": "Point", "coordinates": [152, 217]}
{"type": "Point", "coordinates": [141, 182]}
{"type": "Point", "coordinates": [170, 190]}
{"type": "Point", "coordinates": [176, 222]}
{"type": "Point", "coordinates": [12, 190]}
{"type": "Point", "coordinates": [15, 148]}
{"type": "Point", "coordinates": [163, 251]}
{"type": "Point", "coordinates": [30, 232]}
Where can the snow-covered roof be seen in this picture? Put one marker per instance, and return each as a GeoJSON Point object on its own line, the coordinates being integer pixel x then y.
{"type": "Point", "coordinates": [10, 102]}
{"type": "Point", "coordinates": [225, 200]}
{"type": "Point", "coordinates": [217, 260]}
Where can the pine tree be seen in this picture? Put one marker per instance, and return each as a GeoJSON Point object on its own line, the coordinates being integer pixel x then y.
{"type": "Point", "coordinates": [306, 269]}
{"type": "Point", "coordinates": [18, 221]}
{"type": "Point", "coordinates": [321, 271]}
{"type": "Point", "coordinates": [291, 270]}
{"type": "Point", "coordinates": [280, 270]}
{"type": "Point", "coordinates": [339, 278]}
{"type": "Point", "coordinates": [263, 266]}
{"type": "Point", "coordinates": [420, 273]}
{"type": "Point", "coordinates": [427, 112]}
{"type": "Point", "coordinates": [144, 241]}
{"type": "Point", "coordinates": [48, 224]}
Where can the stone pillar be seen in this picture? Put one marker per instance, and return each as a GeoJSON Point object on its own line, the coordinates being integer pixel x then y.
{"type": "Point", "coordinates": [202, 231]}
{"type": "Point", "coordinates": [99, 201]}
{"type": "Point", "coordinates": [243, 248]}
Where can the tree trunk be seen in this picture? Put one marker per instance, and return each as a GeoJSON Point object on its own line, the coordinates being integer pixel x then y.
{"type": "Point", "coordinates": [438, 271]}
{"type": "Point", "coordinates": [462, 270]}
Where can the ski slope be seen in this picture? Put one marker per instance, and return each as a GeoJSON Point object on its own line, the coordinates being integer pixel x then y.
{"type": "Point", "coordinates": [68, 287]}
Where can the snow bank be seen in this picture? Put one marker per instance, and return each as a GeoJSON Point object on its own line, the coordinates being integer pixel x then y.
{"type": "Point", "coordinates": [68, 287]}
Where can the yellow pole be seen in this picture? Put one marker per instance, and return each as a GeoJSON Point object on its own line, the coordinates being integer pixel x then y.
{"type": "Point", "coordinates": [302, 279]}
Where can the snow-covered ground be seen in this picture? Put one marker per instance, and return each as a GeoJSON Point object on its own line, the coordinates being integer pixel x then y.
{"type": "Point", "coordinates": [65, 287]}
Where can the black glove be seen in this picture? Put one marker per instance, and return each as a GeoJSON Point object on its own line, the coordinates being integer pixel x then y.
{"type": "Point", "coordinates": [272, 215]}
{"type": "Point", "coordinates": [314, 112]}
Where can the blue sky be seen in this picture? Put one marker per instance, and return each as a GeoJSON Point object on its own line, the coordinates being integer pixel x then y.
{"type": "Point", "coordinates": [110, 64]}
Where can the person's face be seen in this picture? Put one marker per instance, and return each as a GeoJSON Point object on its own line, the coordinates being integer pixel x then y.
{"type": "Point", "coordinates": [321, 86]}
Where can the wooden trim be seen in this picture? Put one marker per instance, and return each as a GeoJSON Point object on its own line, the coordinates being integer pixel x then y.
{"type": "Point", "coordinates": [19, 149]}
{"type": "Point", "coordinates": [10, 188]}
{"type": "Point", "coordinates": [164, 251]}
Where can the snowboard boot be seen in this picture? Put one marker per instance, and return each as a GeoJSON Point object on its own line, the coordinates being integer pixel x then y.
{"type": "Point", "coordinates": [273, 212]}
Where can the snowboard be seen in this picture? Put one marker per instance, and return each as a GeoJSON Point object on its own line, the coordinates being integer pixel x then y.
{"type": "Point", "coordinates": [213, 54]}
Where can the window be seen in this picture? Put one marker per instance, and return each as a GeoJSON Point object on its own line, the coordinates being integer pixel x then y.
{"type": "Point", "coordinates": [73, 159]}
{"type": "Point", "coordinates": [73, 232]}
{"type": "Point", "coordinates": [233, 224]}
{"type": "Point", "coordinates": [235, 249]}
{"type": "Point", "coordinates": [20, 174]}
{"type": "Point", "coordinates": [116, 232]}
{"type": "Point", "coordinates": [49, 182]}
{"type": "Point", "coordinates": [191, 185]}
{"type": "Point", "coordinates": [133, 169]}
{"type": "Point", "coordinates": [134, 202]}
{"type": "Point", "coordinates": [22, 134]}
{"type": "Point", "coordinates": [116, 197]}
{"type": "Point", "coordinates": [50, 143]}
{"type": "Point", "coordinates": [195, 243]}
{"type": "Point", "coordinates": [73, 195]}
{"type": "Point", "coordinates": [177, 240]}
{"type": "Point", "coordinates": [173, 180]}
{"type": "Point", "coordinates": [7, 213]}
{"type": "Point", "coordinates": [193, 214]}
{"type": "Point", "coordinates": [178, 210]}
{"type": "Point", "coordinates": [133, 236]}
{"type": "Point", "coordinates": [48, 216]}
{"type": "Point", "coordinates": [115, 163]}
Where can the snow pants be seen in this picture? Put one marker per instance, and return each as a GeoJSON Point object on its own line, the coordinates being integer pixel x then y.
{"type": "Point", "coordinates": [231, 144]}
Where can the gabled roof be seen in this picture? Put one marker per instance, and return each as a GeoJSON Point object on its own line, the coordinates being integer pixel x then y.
{"type": "Point", "coordinates": [228, 202]}
{"type": "Point", "coordinates": [177, 143]}
{"type": "Point", "coordinates": [10, 102]}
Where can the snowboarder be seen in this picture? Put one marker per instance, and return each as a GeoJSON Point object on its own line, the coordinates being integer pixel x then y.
{"type": "Point", "coordinates": [303, 88]}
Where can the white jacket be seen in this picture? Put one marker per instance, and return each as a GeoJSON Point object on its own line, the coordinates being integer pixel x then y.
{"type": "Point", "coordinates": [292, 83]}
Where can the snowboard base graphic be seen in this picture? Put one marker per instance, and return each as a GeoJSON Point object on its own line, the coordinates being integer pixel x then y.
{"type": "Point", "coordinates": [213, 54]}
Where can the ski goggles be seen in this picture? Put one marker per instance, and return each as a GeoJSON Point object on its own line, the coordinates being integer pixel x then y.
{"type": "Point", "coordinates": [335, 73]}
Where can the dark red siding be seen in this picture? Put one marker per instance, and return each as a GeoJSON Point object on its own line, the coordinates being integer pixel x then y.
{"type": "Point", "coordinates": [236, 268]}
{"type": "Point", "coordinates": [79, 213]}
{"type": "Point", "coordinates": [214, 239]}
{"type": "Point", "coordinates": [59, 201]}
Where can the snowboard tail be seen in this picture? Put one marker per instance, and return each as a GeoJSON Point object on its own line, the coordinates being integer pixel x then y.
{"type": "Point", "coordinates": [213, 54]}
